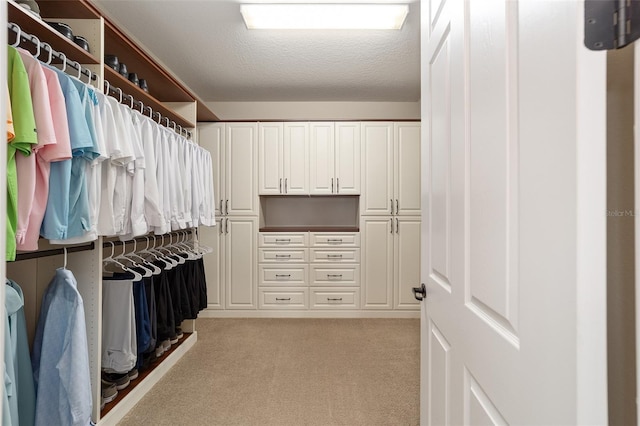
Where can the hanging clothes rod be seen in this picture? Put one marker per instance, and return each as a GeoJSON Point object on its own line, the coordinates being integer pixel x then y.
{"type": "Point", "coordinates": [53, 252]}
{"type": "Point", "coordinates": [40, 45]}
{"type": "Point", "coordinates": [144, 238]}
{"type": "Point", "coordinates": [122, 97]}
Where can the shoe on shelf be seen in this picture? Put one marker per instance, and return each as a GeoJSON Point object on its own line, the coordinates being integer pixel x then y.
{"type": "Point", "coordinates": [109, 391]}
{"type": "Point", "coordinates": [179, 332]}
{"type": "Point", "coordinates": [133, 374]}
{"type": "Point", "coordinates": [166, 345]}
{"type": "Point", "coordinates": [174, 339]}
{"type": "Point", "coordinates": [121, 380]}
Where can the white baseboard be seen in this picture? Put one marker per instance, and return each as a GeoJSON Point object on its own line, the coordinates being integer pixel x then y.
{"type": "Point", "coordinates": [212, 313]}
{"type": "Point", "coordinates": [118, 412]}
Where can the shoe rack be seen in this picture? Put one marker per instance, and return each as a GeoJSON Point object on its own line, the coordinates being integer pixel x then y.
{"type": "Point", "coordinates": [168, 97]}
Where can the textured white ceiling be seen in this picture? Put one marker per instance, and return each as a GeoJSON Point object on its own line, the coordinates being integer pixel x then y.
{"type": "Point", "coordinates": [206, 44]}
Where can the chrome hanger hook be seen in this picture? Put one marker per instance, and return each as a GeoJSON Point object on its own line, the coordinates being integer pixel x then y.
{"type": "Point", "coordinates": [65, 257]}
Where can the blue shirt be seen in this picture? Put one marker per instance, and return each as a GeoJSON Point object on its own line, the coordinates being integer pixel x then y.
{"type": "Point", "coordinates": [68, 198]}
{"type": "Point", "coordinates": [61, 356]}
{"type": "Point", "coordinates": [19, 389]}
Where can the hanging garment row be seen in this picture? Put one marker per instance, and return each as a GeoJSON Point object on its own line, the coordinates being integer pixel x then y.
{"type": "Point", "coordinates": [94, 166]}
{"type": "Point", "coordinates": [52, 385]}
{"type": "Point", "coordinates": [144, 301]}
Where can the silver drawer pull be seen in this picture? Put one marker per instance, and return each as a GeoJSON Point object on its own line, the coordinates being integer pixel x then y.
{"type": "Point", "coordinates": [283, 240]}
{"type": "Point", "coordinates": [334, 240]}
{"type": "Point", "coordinates": [283, 255]}
{"type": "Point", "coordinates": [283, 275]}
{"type": "Point", "coordinates": [283, 299]}
{"type": "Point", "coordinates": [334, 275]}
{"type": "Point", "coordinates": [339, 299]}
{"type": "Point", "coordinates": [337, 256]}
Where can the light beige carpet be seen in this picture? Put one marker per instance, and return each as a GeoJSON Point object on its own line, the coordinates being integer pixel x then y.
{"type": "Point", "coordinates": [291, 372]}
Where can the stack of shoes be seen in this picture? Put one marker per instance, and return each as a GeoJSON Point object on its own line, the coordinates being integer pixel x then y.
{"type": "Point", "coordinates": [109, 392]}
{"type": "Point", "coordinates": [133, 374]}
{"type": "Point", "coordinates": [120, 380]}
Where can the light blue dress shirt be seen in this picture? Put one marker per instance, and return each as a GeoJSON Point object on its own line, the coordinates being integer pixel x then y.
{"type": "Point", "coordinates": [20, 396]}
{"type": "Point", "coordinates": [61, 356]}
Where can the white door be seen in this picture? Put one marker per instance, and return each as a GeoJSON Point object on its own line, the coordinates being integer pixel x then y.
{"type": "Point", "coordinates": [321, 162]}
{"type": "Point", "coordinates": [270, 164]}
{"type": "Point", "coordinates": [296, 158]}
{"type": "Point", "coordinates": [241, 169]}
{"type": "Point", "coordinates": [406, 167]}
{"type": "Point", "coordinates": [377, 169]}
{"type": "Point", "coordinates": [211, 136]}
{"type": "Point", "coordinates": [406, 260]}
{"type": "Point", "coordinates": [241, 264]}
{"type": "Point", "coordinates": [347, 158]}
{"type": "Point", "coordinates": [514, 323]}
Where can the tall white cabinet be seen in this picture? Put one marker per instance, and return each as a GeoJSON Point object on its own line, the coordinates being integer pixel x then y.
{"type": "Point", "coordinates": [232, 268]}
{"type": "Point", "coordinates": [390, 214]}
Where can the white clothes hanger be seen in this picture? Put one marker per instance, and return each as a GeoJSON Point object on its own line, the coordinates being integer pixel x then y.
{"type": "Point", "coordinates": [137, 276]}
{"type": "Point", "coordinates": [123, 257]}
{"type": "Point", "coordinates": [154, 269]}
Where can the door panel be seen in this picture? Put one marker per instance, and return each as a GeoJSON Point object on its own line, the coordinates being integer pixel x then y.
{"type": "Point", "coordinates": [406, 262]}
{"type": "Point", "coordinates": [242, 169]}
{"type": "Point", "coordinates": [271, 168]}
{"type": "Point", "coordinates": [509, 332]}
{"type": "Point", "coordinates": [377, 169]}
{"type": "Point", "coordinates": [407, 171]}
{"type": "Point", "coordinates": [211, 136]}
{"type": "Point", "coordinates": [347, 160]}
{"type": "Point", "coordinates": [240, 262]}
{"type": "Point", "coordinates": [377, 262]}
{"type": "Point", "coordinates": [322, 158]}
{"type": "Point", "coordinates": [296, 158]}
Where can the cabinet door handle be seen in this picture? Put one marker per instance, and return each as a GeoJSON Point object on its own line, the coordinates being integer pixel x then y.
{"type": "Point", "coordinates": [283, 240]}
{"type": "Point", "coordinates": [337, 185]}
{"type": "Point", "coordinates": [332, 185]}
{"type": "Point", "coordinates": [337, 299]}
{"type": "Point", "coordinates": [391, 200]}
{"type": "Point", "coordinates": [221, 225]}
{"type": "Point", "coordinates": [226, 227]}
{"type": "Point", "coordinates": [397, 226]}
{"type": "Point", "coordinates": [397, 206]}
{"type": "Point", "coordinates": [285, 185]}
{"type": "Point", "coordinates": [280, 186]}
{"type": "Point", "coordinates": [334, 240]}
{"type": "Point", "coordinates": [334, 275]}
{"type": "Point", "coordinates": [283, 299]}
{"type": "Point", "coordinates": [221, 211]}
{"type": "Point", "coordinates": [283, 255]}
{"type": "Point", "coordinates": [283, 275]}
{"type": "Point", "coordinates": [334, 256]}
{"type": "Point", "coordinates": [227, 206]}
{"type": "Point", "coordinates": [391, 226]}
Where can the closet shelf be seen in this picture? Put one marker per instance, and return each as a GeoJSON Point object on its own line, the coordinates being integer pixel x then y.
{"type": "Point", "coordinates": [114, 78]}
{"type": "Point", "coordinates": [310, 229]}
{"type": "Point", "coordinates": [31, 24]}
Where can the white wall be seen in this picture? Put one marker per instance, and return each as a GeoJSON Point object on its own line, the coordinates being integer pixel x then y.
{"type": "Point", "coordinates": [256, 111]}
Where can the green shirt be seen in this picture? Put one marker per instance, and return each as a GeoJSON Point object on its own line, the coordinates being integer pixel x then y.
{"type": "Point", "coordinates": [24, 125]}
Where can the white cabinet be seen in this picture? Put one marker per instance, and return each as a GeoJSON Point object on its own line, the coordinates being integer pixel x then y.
{"type": "Point", "coordinates": [240, 172]}
{"type": "Point", "coordinates": [335, 158]}
{"type": "Point", "coordinates": [390, 168]}
{"type": "Point", "coordinates": [211, 136]}
{"type": "Point", "coordinates": [238, 239]}
{"type": "Point", "coordinates": [390, 261]}
{"type": "Point", "coordinates": [283, 152]}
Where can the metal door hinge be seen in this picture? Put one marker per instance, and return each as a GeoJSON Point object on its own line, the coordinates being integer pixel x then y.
{"type": "Point", "coordinates": [611, 24]}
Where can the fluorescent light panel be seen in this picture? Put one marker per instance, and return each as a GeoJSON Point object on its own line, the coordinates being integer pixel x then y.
{"type": "Point", "coordinates": [324, 16]}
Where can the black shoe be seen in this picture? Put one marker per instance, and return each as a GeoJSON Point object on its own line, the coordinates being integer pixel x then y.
{"type": "Point", "coordinates": [121, 380]}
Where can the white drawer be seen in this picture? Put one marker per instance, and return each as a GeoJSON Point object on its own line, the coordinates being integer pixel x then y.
{"type": "Point", "coordinates": [283, 239]}
{"type": "Point", "coordinates": [283, 298]}
{"type": "Point", "coordinates": [266, 255]}
{"type": "Point", "coordinates": [272, 275]}
{"type": "Point", "coordinates": [335, 255]}
{"type": "Point", "coordinates": [338, 275]}
{"type": "Point", "coordinates": [335, 239]}
{"type": "Point", "coordinates": [335, 298]}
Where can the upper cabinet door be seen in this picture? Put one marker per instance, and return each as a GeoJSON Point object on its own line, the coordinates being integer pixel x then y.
{"type": "Point", "coordinates": [407, 168]}
{"type": "Point", "coordinates": [322, 163]}
{"type": "Point", "coordinates": [347, 158]}
{"type": "Point", "coordinates": [296, 159]}
{"type": "Point", "coordinates": [377, 169]}
{"type": "Point", "coordinates": [211, 137]}
{"type": "Point", "coordinates": [242, 169]}
{"type": "Point", "coordinates": [270, 164]}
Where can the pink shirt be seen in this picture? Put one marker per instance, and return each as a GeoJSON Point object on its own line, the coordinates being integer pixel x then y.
{"type": "Point", "coordinates": [28, 176]}
{"type": "Point", "coordinates": [55, 146]}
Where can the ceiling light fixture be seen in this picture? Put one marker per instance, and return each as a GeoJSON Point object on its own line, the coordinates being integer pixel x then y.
{"type": "Point", "coordinates": [324, 16]}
